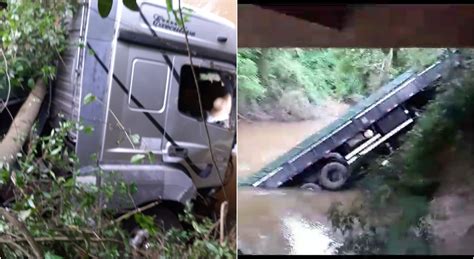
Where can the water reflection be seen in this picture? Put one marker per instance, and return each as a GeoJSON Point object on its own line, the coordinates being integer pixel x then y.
{"type": "Point", "coordinates": [308, 237]}
{"type": "Point", "coordinates": [288, 221]}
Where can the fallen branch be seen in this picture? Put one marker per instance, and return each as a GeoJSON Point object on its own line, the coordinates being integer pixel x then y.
{"type": "Point", "coordinates": [131, 213]}
{"type": "Point", "coordinates": [122, 128]}
{"type": "Point", "coordinates": [16, 247]}
{"type": "Point", "coordinates": [222, 220]}
{"type": "Point", "coordinates": [24, 231]}
{"type": "Point", "coordinates": [21, 125]}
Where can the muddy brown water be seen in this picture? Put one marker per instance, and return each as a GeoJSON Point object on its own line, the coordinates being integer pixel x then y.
{"type": "Point", "coordinates": [288, 221]}
{"type": "Point", "coordinates": [282, 221]}
{"type": "Point", "coordinates": [294, 221]}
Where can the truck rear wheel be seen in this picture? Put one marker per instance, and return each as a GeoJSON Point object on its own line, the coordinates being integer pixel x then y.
{"type": "Point", "coordinates": [335, 157]}
{"type": "Point", "coordinates": [333, 175]}
{"type": "Point", "coordinates": [311, 187]}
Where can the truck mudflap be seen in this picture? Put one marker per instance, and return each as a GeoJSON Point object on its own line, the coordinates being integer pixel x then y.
{"type": "Point", "coordinates": [153, 182]}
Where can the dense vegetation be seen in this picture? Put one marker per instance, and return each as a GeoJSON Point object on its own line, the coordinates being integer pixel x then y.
{"type": "Point", "coordinates": [53, 215]}
{"type": "Point", "coordinates": [291, 81]}
{"type": "Point", "coordinates": [49, 213]}
{"type": "Point", "coordinates": [397, 217]}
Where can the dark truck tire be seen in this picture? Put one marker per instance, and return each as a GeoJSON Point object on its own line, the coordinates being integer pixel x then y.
{"type": "Point", "coordinates": [335, 157]}
{"type": "Point", "coordinates": [165, 218]}
{"type": "Point", "coordinates": [311, 187]}
{"type": "Point", "coordinates": [333, 175]}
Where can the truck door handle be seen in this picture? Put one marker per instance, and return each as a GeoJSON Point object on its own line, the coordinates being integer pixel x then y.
{"type": "Point", "coordinates": [177, 151]}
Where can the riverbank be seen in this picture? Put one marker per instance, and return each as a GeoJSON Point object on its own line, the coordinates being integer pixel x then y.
{"type": "Point", "coordinates": [452, 207]}
{"type": "Point", "coordinates": [298, 112]}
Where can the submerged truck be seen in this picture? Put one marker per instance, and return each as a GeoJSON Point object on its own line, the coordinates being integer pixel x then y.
{"type": "Point", "coordinates": [136, 65]}
{"type": "Point", "coordinates": [371, 126]}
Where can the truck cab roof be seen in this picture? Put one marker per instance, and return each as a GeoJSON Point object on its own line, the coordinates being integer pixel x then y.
{"type": "Point", "coordinates": [210, 36]}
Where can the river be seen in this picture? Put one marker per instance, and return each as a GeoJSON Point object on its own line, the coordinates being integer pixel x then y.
{"type": "Point", "coordinates": [283, 221]}
{"type": "Point", "coordinates": [294, 221]}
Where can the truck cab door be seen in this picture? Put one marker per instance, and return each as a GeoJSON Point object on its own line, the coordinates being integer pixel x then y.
{"type": "Point", "coordinates": [137, 108]}
{"type": "Point", "coordinates": [188, 142]}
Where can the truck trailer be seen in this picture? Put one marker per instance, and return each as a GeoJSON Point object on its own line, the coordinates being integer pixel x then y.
{"type": "Point", "coordinates": [327, 157]}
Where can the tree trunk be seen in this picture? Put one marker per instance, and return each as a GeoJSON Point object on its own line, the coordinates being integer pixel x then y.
{"type": "Point", "coordinates": [387, 66]}
{"type": "Point", "coordinates": [262, 66]}
{"type": "Point", "coordinates": [384, 72]}
{"type": "Point", "coordinates": [395, 60]}
{"type": "Point", "coordinates": [21, 126]}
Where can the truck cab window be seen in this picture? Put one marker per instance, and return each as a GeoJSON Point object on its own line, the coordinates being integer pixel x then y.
{"type": "Point", "coordinates": [216, 88]}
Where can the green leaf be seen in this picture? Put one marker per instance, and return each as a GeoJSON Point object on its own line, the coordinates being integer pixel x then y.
{"type": "Point", "coordinates": [187, 11]}
{"type": "Point", "coordinates": [199, 229]}
{"type": "Point", "coordinates": [31, 202]}
{"type": "Point", "coordinates": [30, 169]}
{"type": "Point", "coordinates": [56, 151]}
{"type": "Point", "coordinates": [211, 248]}
{"type": "Point", "coordinates": [88, 129]}
{"type": "Point", "coordinates": [104, 7]}
{"type": "Point", "coordinates": [109, 192]}
{"type": "Point", "coordinates": [24, 214]}
{"type": "Point", "coordinates": [137, 158]}
{"type": "Point", "coordinates": [133, 188]}
{"type": "Point", "coordinates": [146, 222]}
{"type": "Point", "coordinates": [169, 5]}
{"type": "Point", "coordinates": [31, 83]}
{"type": "Point", "coordinates": [70, 182]}
{"type": "Point", "coordinates": [94, 157]}
{"type": "Point", "coordinates": [3, 227]}
{"type": "Point", "coordinates": [19, 68]}
{"type": "Point", "coordinates": [51, 173]}
{"type": "Point", "coordinates": [50, 255]}
{"type": "Point", "coordinates": [4, 175]}
{"type": "Point", "coordinates": [89, 98]}
{"type": "Point", "coordinates": [90, 51]}
{"type": "Point", "coordinates": [135, 138]}
{"type": "Point", "coordinates": [151, 157]}
{"type": "Point", "coordinates": [186, 18]}
{"type": "Point", "coordinates": [131, 4]}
